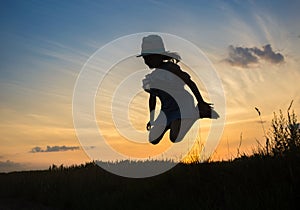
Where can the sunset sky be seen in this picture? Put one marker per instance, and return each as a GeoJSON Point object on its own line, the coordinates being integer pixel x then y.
{"type": "Point", "coordinates": [254, 47]}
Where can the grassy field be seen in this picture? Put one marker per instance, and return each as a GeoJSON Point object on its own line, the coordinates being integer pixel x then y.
{"type": "Point", "coordinates": [245, 183]}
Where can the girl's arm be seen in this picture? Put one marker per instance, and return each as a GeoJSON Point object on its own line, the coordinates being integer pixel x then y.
{"type": "Point", "coordinates": [195, 91]}
{"type": "Point", "coordinates": [187, 80]}
{"type": "Point", "coordinates": [205, 109]}
{"type": "Point", "coordinates": [152, 104]}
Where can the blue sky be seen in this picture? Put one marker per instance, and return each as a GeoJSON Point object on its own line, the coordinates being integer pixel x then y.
{"type": "Point", "coordinates": [44, 45]}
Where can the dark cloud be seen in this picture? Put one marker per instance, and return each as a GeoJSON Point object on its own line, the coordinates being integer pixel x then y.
{"type": "Point", "coordinates": [54, 149]}
{"type": "Point", "coordinates": [244, 56]}
{"type": "Point", "coordinates": [240, 56]}
{"type": "Point", "coordinates": [7, 166]}
{"type": "Point", "coordinates": [36, 149]}
{"type": "Point", "coordinates": [268, 54]}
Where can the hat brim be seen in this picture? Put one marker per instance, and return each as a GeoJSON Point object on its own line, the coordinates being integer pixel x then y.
{"type": "Point", "coordinates": [167, 53]}
{"type": "Point", "coordinates": [144, 54]}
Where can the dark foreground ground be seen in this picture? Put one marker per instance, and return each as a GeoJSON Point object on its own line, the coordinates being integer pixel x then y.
{"type": "Point", "coordinates": [249, 183]}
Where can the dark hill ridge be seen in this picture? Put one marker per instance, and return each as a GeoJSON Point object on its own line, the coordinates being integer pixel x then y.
{"type": "Point", "coordinates": [249, 183]}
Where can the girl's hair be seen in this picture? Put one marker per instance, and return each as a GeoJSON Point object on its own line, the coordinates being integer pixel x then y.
{"type": "Point", "coordinates": [172, 57]}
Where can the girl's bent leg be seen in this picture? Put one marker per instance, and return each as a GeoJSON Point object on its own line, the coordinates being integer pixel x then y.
{"type": "Point", "coordinates": [179, 128]}
{"type": "Point", "coordinates": [156, 133]}
{"type": "Point", "coordinates": [174, 129]}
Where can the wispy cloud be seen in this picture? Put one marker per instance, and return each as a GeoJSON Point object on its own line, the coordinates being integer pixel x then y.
{"type": "Point", "coordinates": [244, 56]}
{"type": "Point", "coordinates": [54, 149]}
{"type": "Point", "coordinates": [260, 122]}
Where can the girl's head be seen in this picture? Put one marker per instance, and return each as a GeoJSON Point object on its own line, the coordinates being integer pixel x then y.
{"type": "Point", "coordinates": [154, 53]}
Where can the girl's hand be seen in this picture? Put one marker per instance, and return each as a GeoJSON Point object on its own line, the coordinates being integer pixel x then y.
{"type": "Point", "coordinates": [148, 126]}
{"type": "Point", "coordinates": [205, 110]}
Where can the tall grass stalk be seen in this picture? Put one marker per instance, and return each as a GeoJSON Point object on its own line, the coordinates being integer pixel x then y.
{"type": "Point", "coordinates": [264, 131]}
{"type": "Point", "coordinates": [240, 144]}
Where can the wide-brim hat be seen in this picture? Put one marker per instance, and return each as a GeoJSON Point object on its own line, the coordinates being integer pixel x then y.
{"type": "Point", "coordinates": [153, 44]}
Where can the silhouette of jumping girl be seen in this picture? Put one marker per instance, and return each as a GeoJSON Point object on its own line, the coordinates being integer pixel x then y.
{"type": "Point", "coordinates": [178, 111]}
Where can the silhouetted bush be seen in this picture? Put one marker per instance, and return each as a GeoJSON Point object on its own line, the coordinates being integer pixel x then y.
{"type": "Point", "coordinates": [284, 134]}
